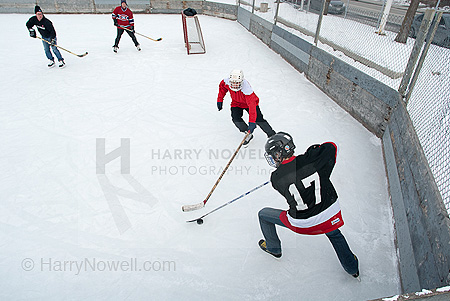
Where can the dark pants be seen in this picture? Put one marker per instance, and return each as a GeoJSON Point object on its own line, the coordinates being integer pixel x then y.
{"type": "Point", "coordinates": [269, 217]}
{"type": "Point", "coordinates": [119, 35]}
{"type": "Point", "coordinates": [48, 53]}
{"type": "Point", "coordinates": [236, 116]}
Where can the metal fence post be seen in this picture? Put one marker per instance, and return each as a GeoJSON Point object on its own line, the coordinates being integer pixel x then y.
{"type": "Point", "coordinates": [346, 9]}
{"type": "Point", "coordinates": [424, 27]}
{"type": "Point", "coordinates": [430, 37]}
{"type": "Point", "coordinates": [384, 17]}
{"type": "Point", "coordinates": [276, 12]}
{"type": "Point", "coordinates": [381, 14]}
{"type": "Point", "coordinates": [319, 23]}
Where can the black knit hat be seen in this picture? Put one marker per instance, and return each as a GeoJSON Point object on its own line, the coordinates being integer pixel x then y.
{"type": "Point", "coordinates": [37, 9]}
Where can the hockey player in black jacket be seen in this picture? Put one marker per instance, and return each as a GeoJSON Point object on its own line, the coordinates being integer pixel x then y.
{"type": "Point", "coordinates": [304, 181]}
{"type": "Point", "coordinates": [48, 33]}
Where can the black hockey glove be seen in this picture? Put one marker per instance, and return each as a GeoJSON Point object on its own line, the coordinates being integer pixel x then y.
{"type": "Point", "coordinates": [251, 127]}
{"type": "Point", "coordinates": [115, 22]}
{"type": "Point", "coordinates": [132, 28]}
{"type": "Point", "coordinates": [219, 105]}
{"type": "Point", "coordinates": [53, 42]}
{"type": "Point", "coordinates": [32, 33]}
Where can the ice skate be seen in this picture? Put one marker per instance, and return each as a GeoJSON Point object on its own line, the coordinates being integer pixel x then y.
{"type": "Point", "coordinates": [356, 276]}
{"type": "Point", "coordinates": [262, 245]}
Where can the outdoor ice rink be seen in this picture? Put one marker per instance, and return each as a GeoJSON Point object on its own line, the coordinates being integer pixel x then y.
{"type": "Point", "coordinates": [68, 232]}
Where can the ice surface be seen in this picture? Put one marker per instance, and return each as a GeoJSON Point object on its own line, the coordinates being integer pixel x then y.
{"type": "Point", "coordinates": [66, 224]}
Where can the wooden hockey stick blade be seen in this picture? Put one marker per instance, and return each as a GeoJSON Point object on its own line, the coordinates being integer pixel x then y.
{"type": "Point", "coordinates": [156, 40]}
{"type": "Point", "coordinates": [82, 55]}
{"type": "Point", "coordinates": [187, 208]}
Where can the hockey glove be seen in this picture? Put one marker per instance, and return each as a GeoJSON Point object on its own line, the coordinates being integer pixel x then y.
{"type": "Point", "coordinates": [219, 105]}
{"type": "Point", "coordinates": [312, 147]}
{"type": "Point", "coordinates": [115, 22]}
{"type": "Point", "coordinates": [132, 28]}
{"type": "Point", "coordinates": [32, 33]}
{"type": "Point", "coordinates": [251, 127]}
{"type": "Point", "coordinates": [53, 42]}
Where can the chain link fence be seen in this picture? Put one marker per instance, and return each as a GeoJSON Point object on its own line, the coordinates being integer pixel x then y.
{"type": "Point", "coordinates": [429, 109]}
{"type": "Point", "coordinates": [350, 33]}
{"type": "Point", "coordinates": [360, 37]}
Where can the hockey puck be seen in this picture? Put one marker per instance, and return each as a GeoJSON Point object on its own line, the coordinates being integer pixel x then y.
{"type": "Point", "coordinates": [199, 221]}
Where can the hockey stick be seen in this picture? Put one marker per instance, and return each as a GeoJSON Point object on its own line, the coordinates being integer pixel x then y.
{"type": "Point", "coordinates": [202, 204]}
{"type": "Point", "coordinates": [159, 39]}
{"type": "Point", "coordinates": [79, 55]}
{"type": "Point", "coordinates": [226, 204]}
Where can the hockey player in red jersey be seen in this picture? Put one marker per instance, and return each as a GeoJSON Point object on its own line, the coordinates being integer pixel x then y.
{"type": "Point", "coordinates": [243, 98]}
{"type": "Point", "coordinates": [123, 19]}
{"type": "Point", "coordinates": [314, 209]}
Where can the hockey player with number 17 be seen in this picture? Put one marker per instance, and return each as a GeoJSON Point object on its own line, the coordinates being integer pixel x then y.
{"type": "Point", "coordinates": [314, 209]}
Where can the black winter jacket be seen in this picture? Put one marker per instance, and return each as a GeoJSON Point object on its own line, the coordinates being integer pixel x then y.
{"type": "Point", "coordinates": [44, 26]}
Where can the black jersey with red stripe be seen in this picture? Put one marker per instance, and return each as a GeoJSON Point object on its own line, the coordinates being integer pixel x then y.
{"type": "Point", "coordinates": [305, 182]}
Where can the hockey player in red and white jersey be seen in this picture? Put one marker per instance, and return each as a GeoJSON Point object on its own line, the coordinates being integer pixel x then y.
{"type": "Point", "coordinates": [314, 209]}
{"type": "Point", "coordinates": [243, 98]}
{"type": "Point", "coordinates": [123, 20]}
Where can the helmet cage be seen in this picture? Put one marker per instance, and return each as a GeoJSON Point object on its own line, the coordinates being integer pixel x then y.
{"type": "Point", "coordinates": [235, 85]}
{"type": "Point", "coordinates": [236, 78]}
{"type": "Point", "coordinates": [271, 160]}
{"type": "Point", "coordinates": [279, 147]}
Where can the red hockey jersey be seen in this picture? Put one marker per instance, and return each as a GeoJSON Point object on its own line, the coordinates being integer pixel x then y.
{"type": "Point", "coordinates": [244, 98]}
{"type": "Point", "coordinates": [124, 17]}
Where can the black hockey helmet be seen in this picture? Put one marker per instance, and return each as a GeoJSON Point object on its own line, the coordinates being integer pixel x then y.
{"type": "Point", "coordinates": [279, 147]}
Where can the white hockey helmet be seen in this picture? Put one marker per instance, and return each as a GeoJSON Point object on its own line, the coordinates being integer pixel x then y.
{"type": "Point", "coordinates": [236, 78]}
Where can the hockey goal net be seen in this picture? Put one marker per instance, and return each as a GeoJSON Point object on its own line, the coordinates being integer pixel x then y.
{"type": "Point", "coordinates": [193, 37]}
